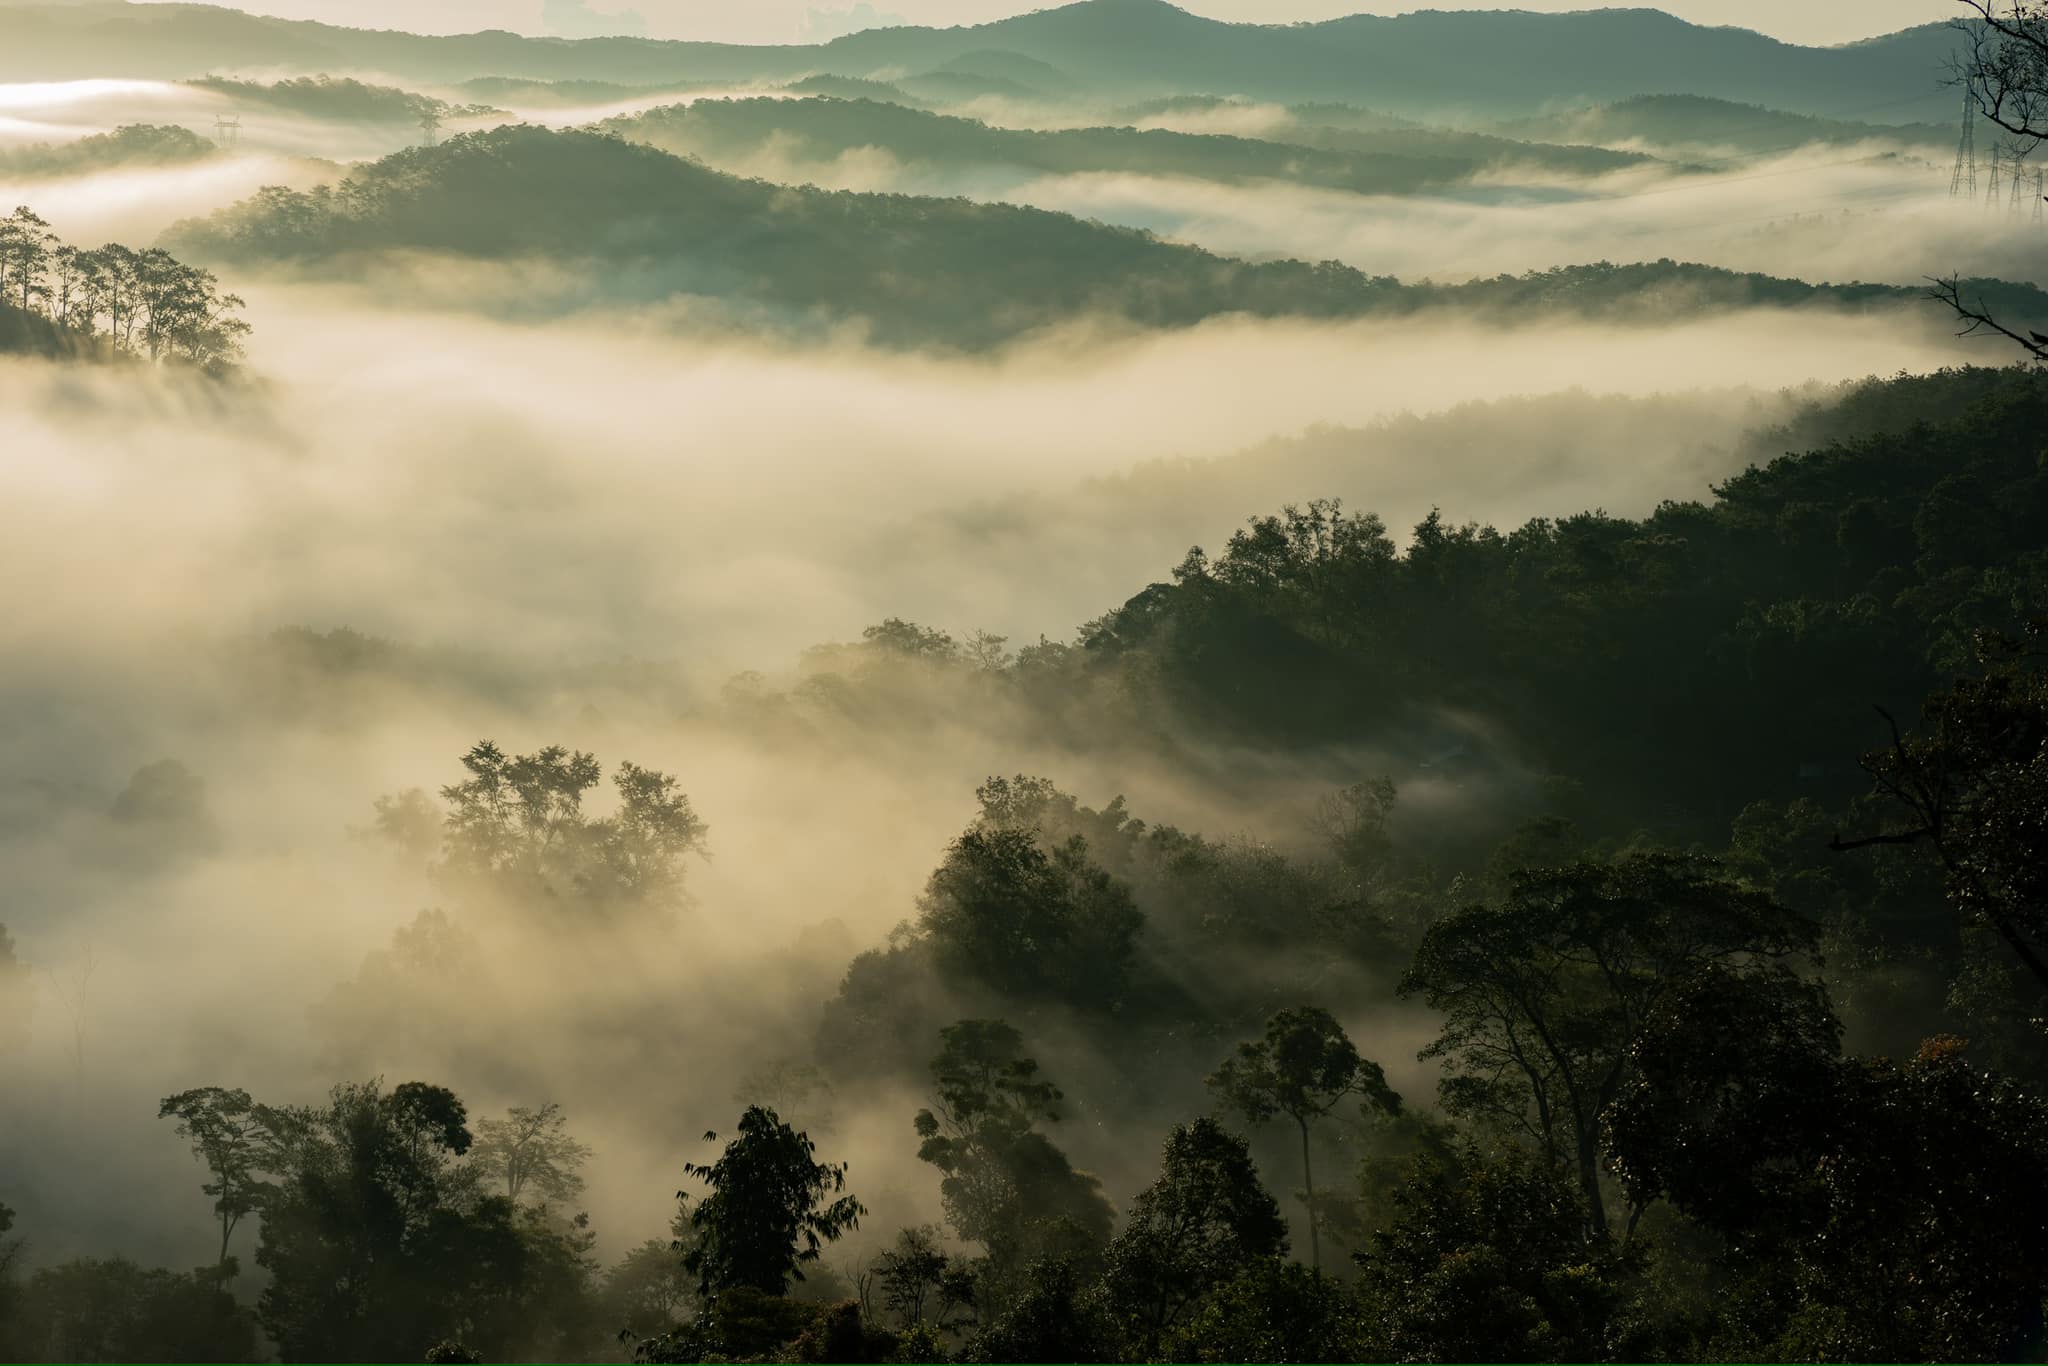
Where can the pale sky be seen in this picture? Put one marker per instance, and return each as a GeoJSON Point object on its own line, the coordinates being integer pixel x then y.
{"type": "Point", "coordinates": [780, 21]}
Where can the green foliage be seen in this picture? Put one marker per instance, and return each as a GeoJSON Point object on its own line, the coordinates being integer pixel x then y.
{"type": "Point", "coordinates": [1190, 1231]}
{"type": "Point", "coordinates": [1488, 1258]}
{"type": "Point", "coordinates": [747, 1324]}
{"type": "Point", "coordinates": [1053, 1316]}
{"type": "Point", "coordinates": [1303, 1067]}
{"type": "Point", "coordinates": [1748, 634]}
{"type": "Point", "coordinates": [1872, 1210]}
{"type": "Point", "coordinates": [1027, 923]}
{"type": "Point", "coordinates": [767, 1214]}
{"type": "Point", "coordinates": [1695, 124]}
{"type": "Point", "coordinates": [379, 1243]}
{"type": "Point", "coordinates": [111, 1310]}
{"type": "Point", "coordinates": [1273, 1310]}
{"type": "Point", "coordinates": [1544, 995]}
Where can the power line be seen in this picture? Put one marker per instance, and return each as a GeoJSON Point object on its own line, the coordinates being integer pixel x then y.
{"type": "Point", "coordinates": [1964, 182]}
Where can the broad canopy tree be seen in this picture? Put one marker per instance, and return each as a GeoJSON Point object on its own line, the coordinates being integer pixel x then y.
{"type": "Point", "coordinates": [532, 1152]}
{"type": "Point", "coordinates": [1029, 921]}
{"type": "Point", "coordinates": [1545, 993]}
{"type": "Point", "coordinates": [516, 831]}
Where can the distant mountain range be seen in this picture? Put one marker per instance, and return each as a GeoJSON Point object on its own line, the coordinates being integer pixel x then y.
{"type": "Point", "coordinates": [1490, 63]}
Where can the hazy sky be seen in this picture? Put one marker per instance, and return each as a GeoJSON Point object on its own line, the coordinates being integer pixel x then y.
{"type": "Point", "coordinates": [1804, 21]}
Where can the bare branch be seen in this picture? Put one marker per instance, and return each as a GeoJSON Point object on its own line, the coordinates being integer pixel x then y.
{"type": "Point", "coordinates": [1978, 321]}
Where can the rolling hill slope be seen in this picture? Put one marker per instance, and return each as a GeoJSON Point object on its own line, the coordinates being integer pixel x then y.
{"type": "Point", "coordinates": [642, 224]}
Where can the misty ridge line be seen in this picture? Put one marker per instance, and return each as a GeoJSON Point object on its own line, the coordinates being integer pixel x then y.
{"type": "Point", "coordinates": [913, 270]}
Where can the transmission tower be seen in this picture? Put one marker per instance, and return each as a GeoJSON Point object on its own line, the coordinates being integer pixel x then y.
{"type": "Point", "coordinates": [2040, 196]}
{"type": "Point", "coordinates": [430, 127]}
{"type": "Point", "coordinates": [227, 130]}
{"type": "Point", "coordinates": [1997, 163]}
{"type": "Point", "coordinates": [2019, 181]}
{"type": "Point", "coordinates": [1964, 182]}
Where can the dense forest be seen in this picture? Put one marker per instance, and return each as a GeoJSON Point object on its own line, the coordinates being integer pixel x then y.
{"type": "Point", "coordinates": [1682, 978]}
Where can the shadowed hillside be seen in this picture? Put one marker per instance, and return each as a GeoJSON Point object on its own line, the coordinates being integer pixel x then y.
{"type": "Point", "coordinates": [916, 270]}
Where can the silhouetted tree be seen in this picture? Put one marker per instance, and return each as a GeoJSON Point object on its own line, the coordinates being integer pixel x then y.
{"type": "Point", "coordinates": [232, 1135]}
{"type": "Point", "coordinates": [1006, 1185]}
{"type": "Point", "coordinates": [920, 1283]}
{"type": "Point", "coordinates": [1971, 784]}
{"type": "Point", "coordinates": [1303, 1067]}
{"type": "Point", "coordinates": [178, 308]}
{"type": "Point", "coordinates": [1544, 995]}
{"type": "Point", "coordinates": [517, 825]}
{"type": "Point", "coordinates": [768, 1213]}
{"type": "Point", "coordinates": [531, 1152]}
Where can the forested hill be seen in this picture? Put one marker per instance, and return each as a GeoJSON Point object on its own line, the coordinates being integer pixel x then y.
{"type": "Point", "coordinates": [915, 270]}
{"type": "Point", "coordinates": [135, 144]}
{"type": "Point", "coordinates": [731, 130]}
{"type": "Point", "coordinates": [1678, 666]}
{"type": "Point", "coordinates": [1499, 63]}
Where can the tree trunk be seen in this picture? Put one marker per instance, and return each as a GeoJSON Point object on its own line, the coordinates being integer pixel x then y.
{"type": "Point", "coordinates": [1589, 1182]}
{"type": "Point", "coordinates": [1308, 1184]}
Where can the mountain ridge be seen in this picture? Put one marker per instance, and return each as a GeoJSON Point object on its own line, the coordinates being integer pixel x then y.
{"type": "Point", "coordinates": [1493, 61]}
